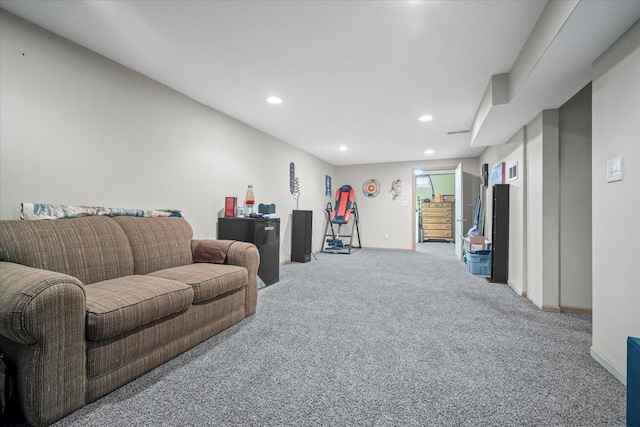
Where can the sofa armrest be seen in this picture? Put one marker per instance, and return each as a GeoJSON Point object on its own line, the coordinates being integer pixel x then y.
{"type": "Point", "coordinates": [42, 323]}
{"type": "Point", "coordinates": [245, 255]}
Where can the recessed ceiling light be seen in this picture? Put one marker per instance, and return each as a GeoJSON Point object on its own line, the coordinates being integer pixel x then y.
{"type": "Point", "coordinates": [425, 118]}
{"type": "Point", "coordinates": [274, 100]}
{"type": "Point", "coordinates": [343, 148]}
{"type": "Point", "coordinates": [429, 151]}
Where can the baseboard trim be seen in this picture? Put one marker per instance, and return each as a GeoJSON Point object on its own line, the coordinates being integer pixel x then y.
{"type": "Point", "coordinates": [516, 289]}
{"type": "Point", "coordinates": [374, 248]}
{"type": "Point", "coordinates": [556, 309]}
{"type": "Point", "coordinates": [535, 302]}
{"type": "Point", "coordinates": [608, 365]}
{"type": "Point", "coordinates": [579, 310]}
{"type": "Point", "coordinates": [551, 308]}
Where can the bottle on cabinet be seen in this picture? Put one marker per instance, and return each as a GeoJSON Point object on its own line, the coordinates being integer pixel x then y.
{"type": "Point", "coordinates": [249, 201]}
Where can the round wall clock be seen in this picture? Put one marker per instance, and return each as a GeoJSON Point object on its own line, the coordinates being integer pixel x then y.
{"type": "Point", "coordinates": [371, 188]}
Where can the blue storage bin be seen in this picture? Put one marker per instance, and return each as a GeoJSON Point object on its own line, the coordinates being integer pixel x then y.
{"type": "Point", "coordinates": [479, 262]}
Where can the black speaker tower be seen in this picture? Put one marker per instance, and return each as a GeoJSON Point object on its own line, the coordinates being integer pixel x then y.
{"type": "Point", "coordinates": [500, 234]}
{"type": "Point", "coordinates": [301, 236]}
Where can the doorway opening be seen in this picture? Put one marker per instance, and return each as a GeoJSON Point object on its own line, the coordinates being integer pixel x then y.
{"type": "Point", "coordinates": [435, 222]}
{"type": "Point", "coordinates": [434, 199]}
{"type": "Point", "coordinates": [465, 194]}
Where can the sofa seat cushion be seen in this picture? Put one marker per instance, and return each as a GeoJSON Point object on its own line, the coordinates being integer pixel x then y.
{"type": "Point", "coordinates": [208, 280]}
{"type": "Point", "coordinates": [120, 305]}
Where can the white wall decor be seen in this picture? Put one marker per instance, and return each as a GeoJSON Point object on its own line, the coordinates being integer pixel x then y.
{"type": "Point", "coordinates": [396, 188]}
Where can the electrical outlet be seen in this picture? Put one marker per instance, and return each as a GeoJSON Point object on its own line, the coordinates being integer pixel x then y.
{"type": "Point", "coordinates": [614, 169]}
{"type": "Point", "coordinates": [386, 235]}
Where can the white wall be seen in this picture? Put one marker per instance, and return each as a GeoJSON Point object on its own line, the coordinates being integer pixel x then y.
{"type": "Point", "coordinates": [552, 153]}
{"type": "Point", "coordinates": [381, 214]}
{"type": "Point", "coordinates": [575, 201]}
{"type": "Point", "coordinates": [511, 153]}
{"type": "Point", "coordinates": [542, 169]}
{"type": "Point", "coordinates": [550, 225]}
{"type": "Point", "coordinates": [616, 282]}
{"type": "Point", "coordinates": [534, 196]}
{"type": "Point", "coordinates": [550, 202]}
{"type": "Point", "coordinates": [80, 129]}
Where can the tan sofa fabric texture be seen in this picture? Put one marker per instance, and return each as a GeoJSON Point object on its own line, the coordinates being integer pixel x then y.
{"type": "Point", "coordinates": [157, 243]}
{"type": "Point", "coordinates": [138, 344]}
{"type": "Point", "coordinates": [52, 366]}
{"type": "Point", "coordinates": [119, 305]}
{"type": "Point", "coordinates": [21, 284]}
{"type": "Point", "coordinates": [56, 269]}
{"type": "Point", "coordinates": [208, 281]}
{"type": "Point", "coordinates": [90, 249]}
{"type": "Point", "coordinates": [247, 255]}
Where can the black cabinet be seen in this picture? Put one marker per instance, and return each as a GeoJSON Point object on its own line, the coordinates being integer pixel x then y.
{"type": "Point", "coordinates": [301, 236]}
{"type": "Point", "coordinates": [500, 234]}
{"type": "Point", "coordinates": [265, 234]}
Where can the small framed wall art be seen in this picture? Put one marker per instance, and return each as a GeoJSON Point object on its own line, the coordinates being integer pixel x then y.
{"type": "Point", "coordinates": [497, 174]}
{"type": "Point", "coordinates": [292, 177]}
{"type": "Point", "coordinates": [484, 175]}
{"type": "Point", "coordinates": [371, 188]}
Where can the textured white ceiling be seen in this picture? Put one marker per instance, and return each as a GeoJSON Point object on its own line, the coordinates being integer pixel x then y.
{"type": "Point", "coordinates": [357, 73]}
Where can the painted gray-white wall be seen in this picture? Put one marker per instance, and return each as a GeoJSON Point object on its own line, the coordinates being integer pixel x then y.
{"type": "Point", "coordinates": [616, 286]}
{"type": "Point", "coordinates": [511, 153]}
{"type": "Point", "coordinates": [542, 171]}
{"type": "Point", "coordinates": [548, 223]}
{"type": "Point", "coordinates": [534, 196]}
{"type": "Point", "coordinates": [80, 129]}
{"type": "Point", "coordinates": [575, 201]}
{"type": "Point", "coordinates": [381, 214]}
{"type": "Point", "coordinates": [551, 209]}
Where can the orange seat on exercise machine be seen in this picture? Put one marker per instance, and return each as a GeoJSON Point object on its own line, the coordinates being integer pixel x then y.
{"type": "Point", "coordinates": [341, 214]}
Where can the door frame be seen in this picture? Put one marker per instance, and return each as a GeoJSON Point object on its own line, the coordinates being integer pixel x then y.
{"type": "Point", "coordinates": [459, 209]}
{"type": "Point", "coordinates": [415, 172]}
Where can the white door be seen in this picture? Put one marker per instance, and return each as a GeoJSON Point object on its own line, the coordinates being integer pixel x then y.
{"type": "Point", "coordinates": [459, 212]}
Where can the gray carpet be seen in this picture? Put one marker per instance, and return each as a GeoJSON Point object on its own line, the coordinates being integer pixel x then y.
{"type": "Point", "coordinates": [379, 338]}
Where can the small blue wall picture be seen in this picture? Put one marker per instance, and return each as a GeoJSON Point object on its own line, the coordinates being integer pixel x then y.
{"type": "Point", "coordinates": [497, 174]}
{"type": "Point", "coordinates": [327, 185]}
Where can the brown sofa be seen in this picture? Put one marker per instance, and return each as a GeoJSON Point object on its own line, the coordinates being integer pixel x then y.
{"type": "Point", "coordinates": [88, 304]}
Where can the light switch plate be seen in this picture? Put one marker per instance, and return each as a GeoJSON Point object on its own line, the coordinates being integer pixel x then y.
{"type": "Point", "coordinates": [405, 203]}
{"type": "Point", "coordinates": [614, 169]}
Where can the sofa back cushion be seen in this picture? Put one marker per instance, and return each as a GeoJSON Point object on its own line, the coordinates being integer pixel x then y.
{"type": "Point", "coordinates": [91, 249]}
{"type": "Point", "coordinates": [157, 243]}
